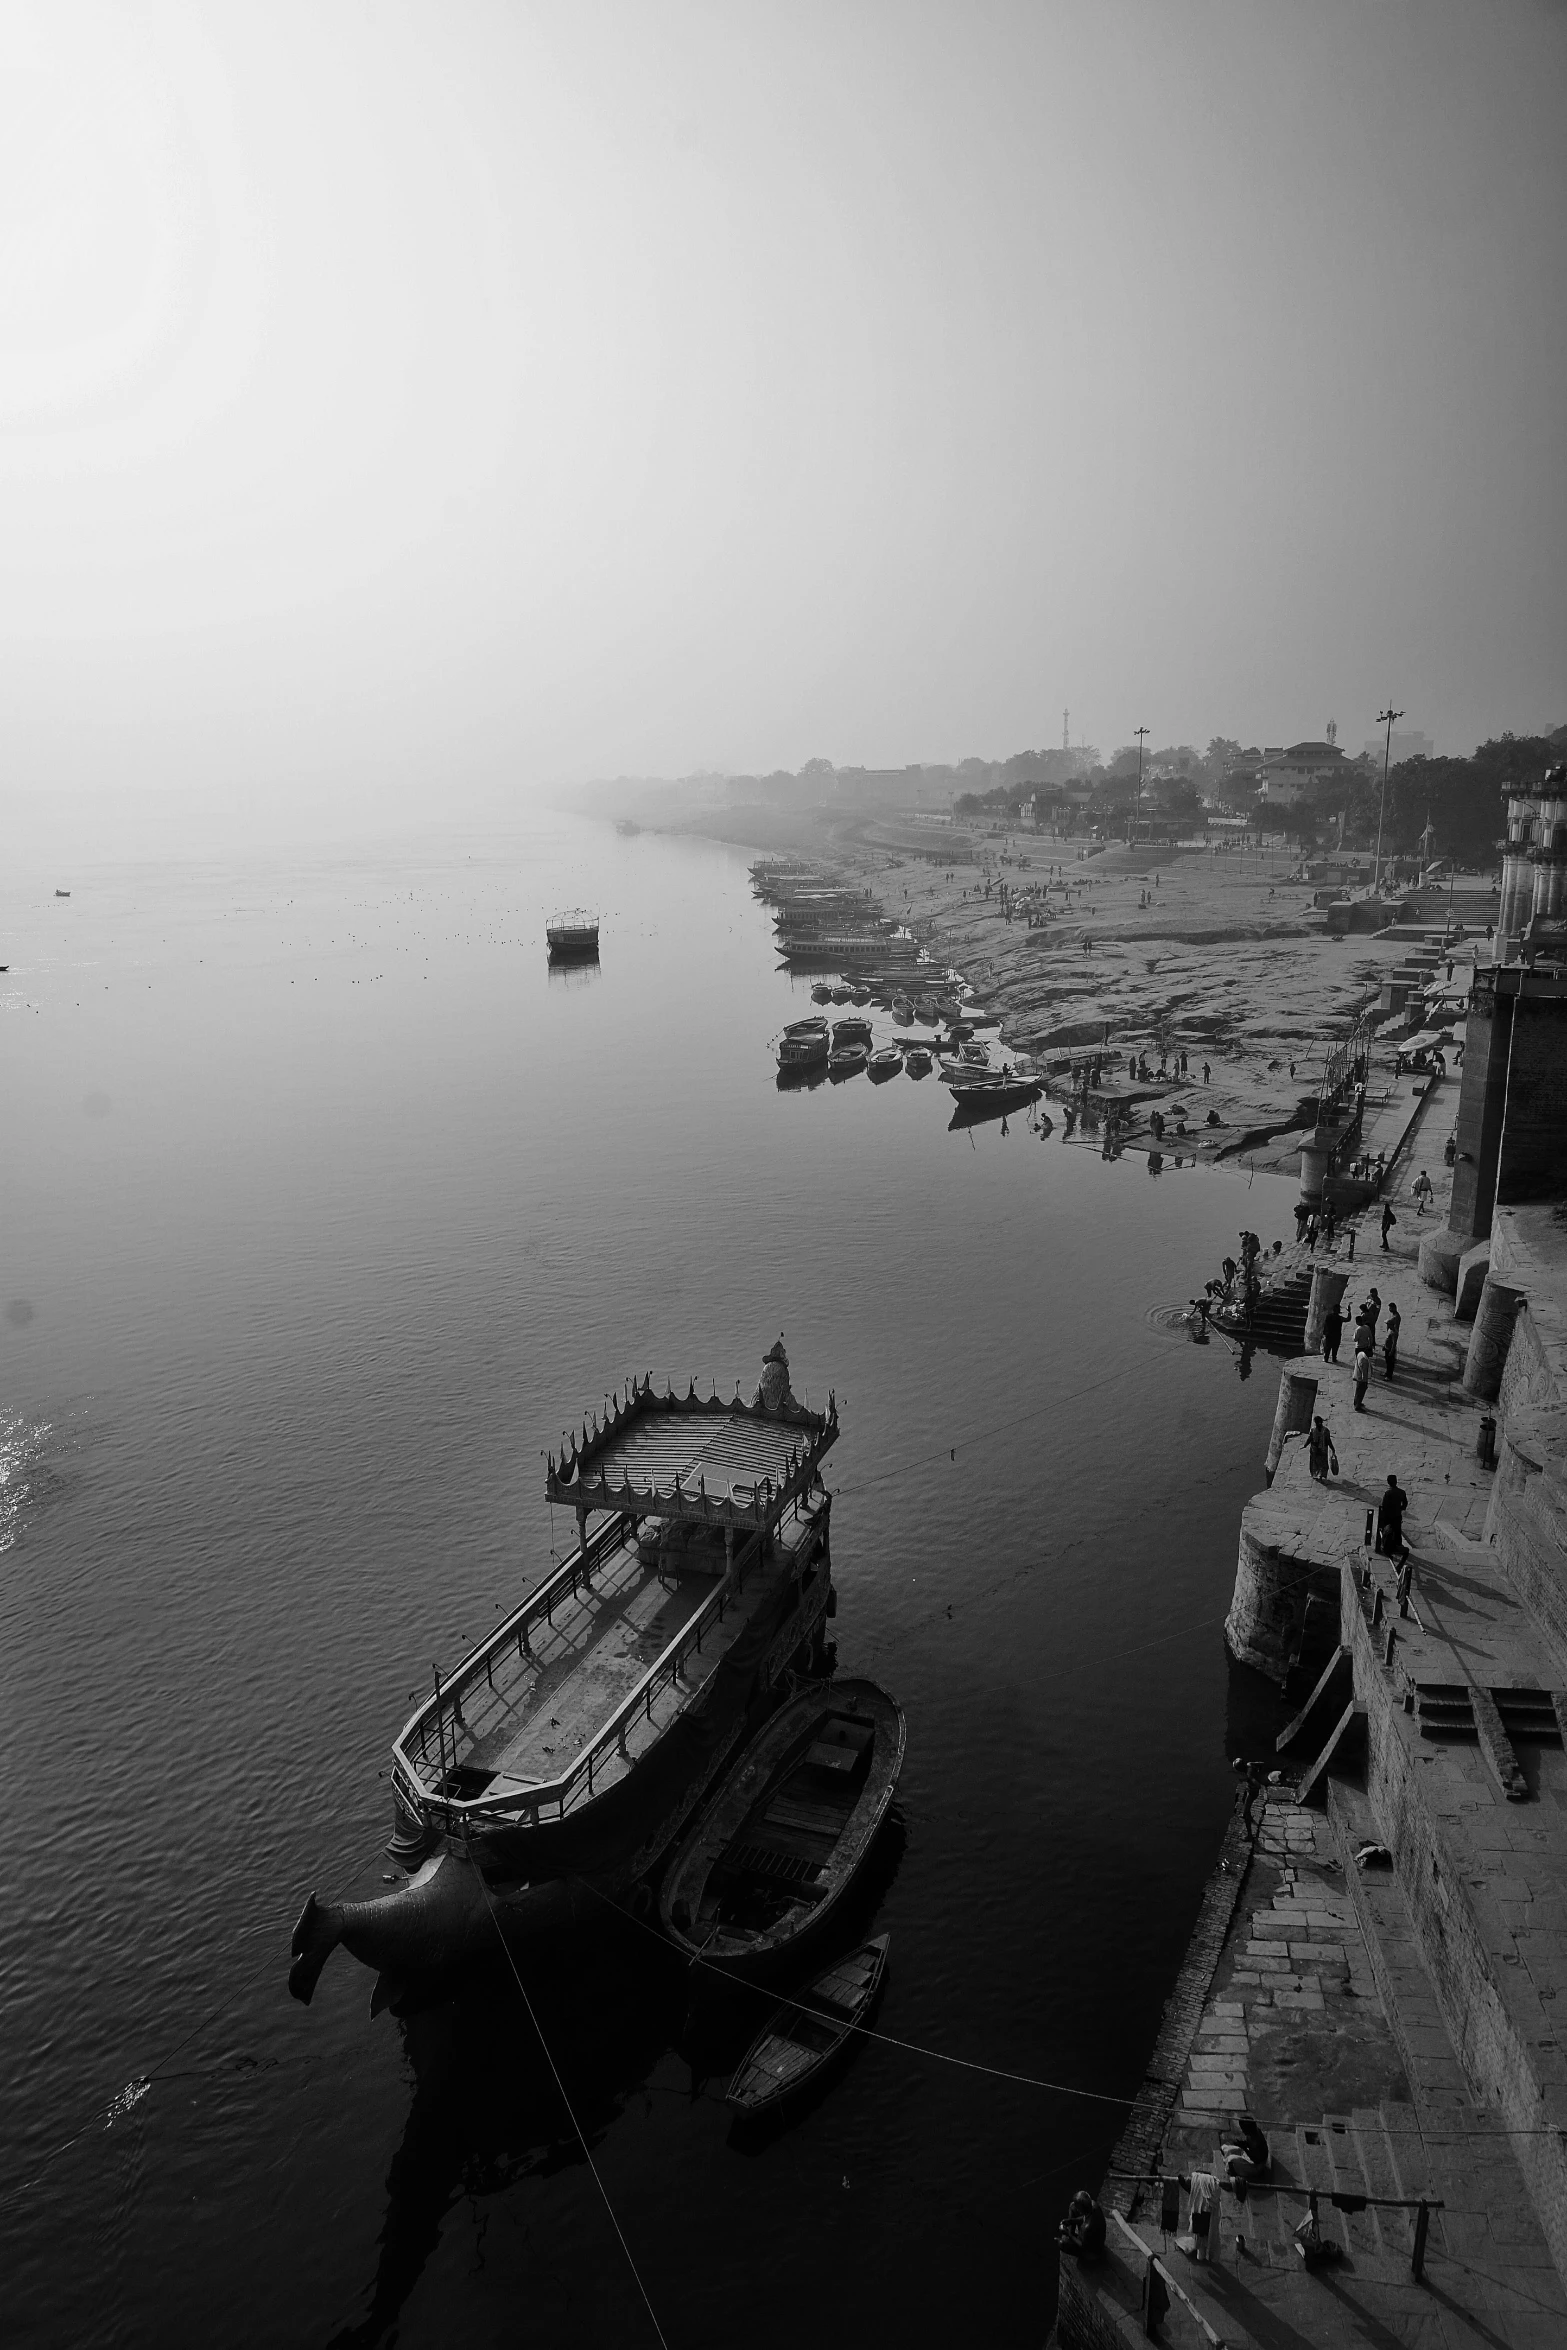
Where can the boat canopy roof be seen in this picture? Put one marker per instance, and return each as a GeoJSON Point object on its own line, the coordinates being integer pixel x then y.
{"type": "Point", "coordinates": [674, 1456]}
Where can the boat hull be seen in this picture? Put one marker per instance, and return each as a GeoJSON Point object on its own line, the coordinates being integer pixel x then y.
{"type": "Point", "coordinates": [696, 1914]}
{"type": "Point", "coordinates": [542, 1881]}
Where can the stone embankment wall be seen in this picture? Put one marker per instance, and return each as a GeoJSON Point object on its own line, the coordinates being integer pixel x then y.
{"type": "Point", "coordinates": [1526, 1524]}
{"type": "Point", "coordinates": [1483, 1880]}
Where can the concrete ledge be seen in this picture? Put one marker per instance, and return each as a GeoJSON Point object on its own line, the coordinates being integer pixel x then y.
{"type": "Point", "coordinates": [1473, 1267]}
{"type": "Point", "coordinates": [1440, 1255]}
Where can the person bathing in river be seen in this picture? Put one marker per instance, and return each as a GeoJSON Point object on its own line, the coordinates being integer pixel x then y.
{"type": "Point", "coordinates": [1082, 2232]}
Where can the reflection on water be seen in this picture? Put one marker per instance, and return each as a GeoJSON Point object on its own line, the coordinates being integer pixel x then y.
{"type": "Point", "coordinates": [383, 1203]}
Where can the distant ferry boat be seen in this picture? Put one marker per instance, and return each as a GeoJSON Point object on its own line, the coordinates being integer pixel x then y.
{"type": "Point", "coordinates": [573, 936]}
{"type": "Point", "coordinates": [62, 893]}
{"type": "Point", "coordinates": [553, 1769]}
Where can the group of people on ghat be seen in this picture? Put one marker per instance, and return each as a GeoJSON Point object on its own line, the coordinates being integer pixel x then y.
{"type": "Point", "coordinates": [1367, 1316]}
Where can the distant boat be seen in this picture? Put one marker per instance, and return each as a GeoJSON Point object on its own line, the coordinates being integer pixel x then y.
{"type": "Point", "coordinates": [801, 2038]}
{"type": "Point", "coordinates": [62, 893]}
{"type": "Point", "coordinates": [902, 1011]}
{"type": "Point", "coordinates": [789, 1829]}
{"type": "Point", "coordinates": [573, 936]}
{"type": "Point", "coordinates": [821, 993]}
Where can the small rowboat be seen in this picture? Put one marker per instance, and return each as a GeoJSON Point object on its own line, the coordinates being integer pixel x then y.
{"type": "Point", "coordinates": [903, 1011]}
{"type": "Point", "coordinates": [821, 993]}
{"type": "Point", "coordinates": [861, 995]}
{"type": "Point", "coordinates": [789, 1830]}
{"type": "Point", "coordinates": [802, 2037]}
{"type": "Point", "coordinates": [847, 1060]}
{"type": "Point", "coordinates": [885, 1062]}
{"type": "Point", "coordinates": [854, 1030]}
{"type": "Point", "coordinates": [917, 1061]}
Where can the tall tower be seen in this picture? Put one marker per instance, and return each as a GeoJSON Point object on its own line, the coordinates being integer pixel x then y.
{"type": "Point", "coordinates": [1066, 731]}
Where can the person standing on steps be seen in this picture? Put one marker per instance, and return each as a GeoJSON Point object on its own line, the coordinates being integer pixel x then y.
{"type": "Point", "coordinates": [1332, 1333]}
{"type": "Point", "coordinates": [1319, 1446]}
{"type": "Point", "coordinates": [1388, 1220]}
{"type": "Point", "coordinates": [1390, 1520]}
{"type": "Point", "coordinates": [1362, 1366]}
{"type": "Point", "coordinates": [1390, 1342]}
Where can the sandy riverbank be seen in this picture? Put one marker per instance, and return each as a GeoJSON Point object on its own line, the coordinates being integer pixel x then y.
{"type": "Point", "coordinates": [1220, 962]}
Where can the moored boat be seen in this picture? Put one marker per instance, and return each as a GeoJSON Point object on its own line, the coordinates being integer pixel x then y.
{"type": "Point", "coordinates": [549, 1774]}
{"type": "Point", "coordinates": [787, 1833]}
{"type": "Point", "coordinates": [801, 2038]}
{"type": "Point", "coordinates": [917, 1061]}
{"type": "Point", "coordinates": [854, 1030]}
{"type": "Point", "coordinates": [885, 1062]}
{"type": "Point", "coordinates": [821, 993]}
{"type": "Point", "coordinates": [847, 1060]}
{"type": "Point", "coordinates": [572, 936]}
{"type": "Point", "coordinates": [804, 1044]}
{"type": "Point", "coordinates": [973, 1104]}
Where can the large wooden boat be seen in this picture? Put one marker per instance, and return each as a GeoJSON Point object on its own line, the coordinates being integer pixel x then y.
{"type": "Point", "coordinates": [553, 1769]}
{"type": "Point", "coordinates": [789, 1830]}
{"type": "Point", "coordinates": [573, 937]}
{"type": "Point", "coordinates": [803, 2037]}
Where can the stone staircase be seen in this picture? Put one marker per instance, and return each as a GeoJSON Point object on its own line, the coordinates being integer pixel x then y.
{"type": "Point", "coordinates": [1279, 1323]}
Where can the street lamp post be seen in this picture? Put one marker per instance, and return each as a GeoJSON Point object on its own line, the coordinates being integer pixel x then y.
{"type": "Point", "coordinates": [1137, 804]}
{"type": "Point", "coordinates": [1384, 717]}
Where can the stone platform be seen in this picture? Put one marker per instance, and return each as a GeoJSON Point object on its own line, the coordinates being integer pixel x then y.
{"type": "Point", "coordinates": [1393, 2026]}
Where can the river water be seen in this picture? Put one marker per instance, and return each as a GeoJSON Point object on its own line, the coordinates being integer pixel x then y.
{"type": "Point", "coordinates": [326, 1208]}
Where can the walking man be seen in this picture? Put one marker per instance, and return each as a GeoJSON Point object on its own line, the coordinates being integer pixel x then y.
{"type": "Point", "coordinates": [1320, 1448]}
{"type": "Point", "coordinates": [1390, 1342]}
{"type": "Point", "coordinates": [1362, 1366]}
{"type": "Point", "coordinates": [1390, 1521]}
{"type": "Point", "coordinates": [1422, 1191]}
{"type": "Point", "coordinates": [1388, 1220]}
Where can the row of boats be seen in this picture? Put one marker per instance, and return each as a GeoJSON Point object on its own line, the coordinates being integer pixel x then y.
{"type": "Point", "coordinates": [930, 1006]}
{"type": "Point", "coordinates": [657, 1727]}
{"type": "Point", "coordinates": [843, 1048]}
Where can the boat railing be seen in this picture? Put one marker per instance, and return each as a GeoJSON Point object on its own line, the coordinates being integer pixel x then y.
{"type": "Point", "coordinates": [554, 1797]}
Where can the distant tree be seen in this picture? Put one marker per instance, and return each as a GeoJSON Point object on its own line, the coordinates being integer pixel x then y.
{"type": "Point", "coordinates": [1176, 796]}
{"type": "Point", "coordinates": [1463, 799]}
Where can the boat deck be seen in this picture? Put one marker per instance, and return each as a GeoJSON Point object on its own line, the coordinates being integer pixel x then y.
{"type": "Point", "coordinates": [524, 1722]}
{"type": "Point", "coordinates": [603, 1642]}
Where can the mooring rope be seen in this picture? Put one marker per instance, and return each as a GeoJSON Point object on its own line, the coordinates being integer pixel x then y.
{"type": "Point", "coordinates": [571, 2114]}
{"type": "Point", "coordinates": [967, 2064]}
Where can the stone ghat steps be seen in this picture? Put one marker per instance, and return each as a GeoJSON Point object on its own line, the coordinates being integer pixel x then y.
{"type": "Point", "coordinates": [1446, 2143]}
{"type": "Point", "coordinates": [1279, 1320]}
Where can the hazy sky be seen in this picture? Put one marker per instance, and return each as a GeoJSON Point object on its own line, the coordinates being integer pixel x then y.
{"type": "Point", "coordinates": [420, 398]}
